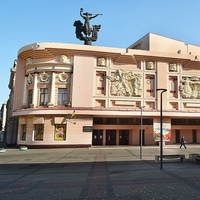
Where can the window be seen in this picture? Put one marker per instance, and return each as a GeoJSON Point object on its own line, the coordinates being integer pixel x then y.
{"type": "Point", "coordinates": [100, 83]}
{"type": "Point", "coordinates": [39, 131]}
{"type": "Point", "coordinates": [123, 121]}
{"type": "Point", "coordinates": [173, 86]}
{"type": "Point", "coordinates": [62, 96]}
{"type": "Point", "coordinates": [30, 97]}
{"type": "Point", "coordinates": [60, 132]}
{"type": "Point", "coordinates": [185, 122]}
{"type": "Point", "coordinates": [150, 82]}
{"type": "Point", "coordinates": [43, 96]}
{"type": "Point", "coordinates": [23, 132]}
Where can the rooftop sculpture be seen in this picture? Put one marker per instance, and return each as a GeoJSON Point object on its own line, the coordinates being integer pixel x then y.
{"type": "Point", "coordinates": [90, 34]}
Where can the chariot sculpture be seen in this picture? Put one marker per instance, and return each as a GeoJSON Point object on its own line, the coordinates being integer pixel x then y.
{"type": "Point", "coordinates": [84, 31]}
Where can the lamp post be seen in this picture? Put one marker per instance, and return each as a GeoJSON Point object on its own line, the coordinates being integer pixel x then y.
{"type": "Point", "coordinates": [141, 135]}
{"type": "Point", "coordinates": [161, 129]}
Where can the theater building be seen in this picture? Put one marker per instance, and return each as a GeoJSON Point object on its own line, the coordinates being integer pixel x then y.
{"type": "Point", "coordinates": [81, 95]}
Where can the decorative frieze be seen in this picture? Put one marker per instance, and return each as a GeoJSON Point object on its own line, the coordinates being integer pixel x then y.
{"type": "Point", "coordinates": [44, 77]}
{"type": "Point", "coordinates": [30, 79]}
{"type": "Point", "coordinates": [63, 77]}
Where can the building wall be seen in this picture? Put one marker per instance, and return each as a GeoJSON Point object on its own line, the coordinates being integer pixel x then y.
{"type": "Point", "coordinates": [106, 83]}
{"type": "Point", "coordinates": [83, 81]}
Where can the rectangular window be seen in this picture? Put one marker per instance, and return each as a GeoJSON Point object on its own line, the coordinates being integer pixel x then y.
{"type": "Point", "coordinates": [23, 132]}
{"type": "Point", "coordinates": [173, 86]}
{"type": "Point", "coordinates": [60, 132]}
{"type": "Point", "coordinates": [30, 97]}
{"type": "Point", "coordinates": [43, 96]}
{"type": "Point", "coordinates": [150, 81]}
{"type": "Point", "coordinates": [62, 96]}
{"type": "Point", "coordinates": [39, 132]}
{"type": "Point", "coordinates": [100, 83]}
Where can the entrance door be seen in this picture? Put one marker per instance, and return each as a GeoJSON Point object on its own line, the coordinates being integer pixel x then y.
{"type": "Point", "coordinates": [194, 136]}
{"type": "Point", "coordinates": [110, 137]}
{"type": "Point", "coordinates": [143, 139]}
{"type": "Point", "coordinates": [97, 137]}
{"type": "Point", "coordinates": [177, 136]}
{"type": "Point", "coordinates": [123, 137]}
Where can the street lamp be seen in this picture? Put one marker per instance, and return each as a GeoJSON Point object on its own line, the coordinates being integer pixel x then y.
{"type": "Point", "coordinates": [141, 135]}
{"type": "Point", "coordinates": [161, 129]}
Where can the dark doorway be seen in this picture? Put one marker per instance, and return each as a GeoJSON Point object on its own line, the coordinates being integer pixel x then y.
{"type": "Point", "coordinates": [194, 136]}
{"type": "Point", "coordinates": [177, 135]}
{"type": "Point", "coordinates": [143, 138]}
{"type": "Point", "coordinates": [110, 137]}
{"type": "Point", "coordinates": [97, 137]}
{"type": "Point", "coordinates": [123, 137]}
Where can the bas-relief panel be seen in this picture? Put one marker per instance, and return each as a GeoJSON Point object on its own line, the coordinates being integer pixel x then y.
{"type": "Point", "coordinates": [190, 87]}
{"type": "Point", "coordinates": [125, 83]}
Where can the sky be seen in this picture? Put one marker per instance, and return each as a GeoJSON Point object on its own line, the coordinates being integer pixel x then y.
{"type": "Point", "coordinates": [23, 22]}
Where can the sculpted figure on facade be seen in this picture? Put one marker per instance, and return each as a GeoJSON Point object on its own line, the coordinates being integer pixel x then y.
{"type": "Point", "coordinates": [172, 67]}
{"type": "Point", "coordinates": [190, 88]}
{"type": "Point", "coordinates": [29, 61]}
{"type": "Point", "coordinates": [64, 59]}
{"type": "Point", "coordinates": [101, 62]}
{"type": "Point", "coordinates": [125, 83]}
{"type": "Point", "coordinates": [150, 65]}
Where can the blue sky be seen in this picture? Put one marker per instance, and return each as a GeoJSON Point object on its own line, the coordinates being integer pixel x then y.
{"type": "Point", "coordinates": [25, 22]}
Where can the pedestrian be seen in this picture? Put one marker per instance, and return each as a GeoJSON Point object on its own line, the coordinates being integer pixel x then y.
{"type": "Point", "coordinates": [183, 142]}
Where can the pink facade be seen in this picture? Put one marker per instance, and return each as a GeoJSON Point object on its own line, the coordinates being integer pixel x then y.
{"type": "Point", "coordinates": [106, 87]}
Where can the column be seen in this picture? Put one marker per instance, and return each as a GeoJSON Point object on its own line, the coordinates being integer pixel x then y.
{"type": "Point", "coordinates": [104, 137]}
{"type": "Point", "coordinates": [35, 89]}
{"type": "Point", "coordinates": [25, 89]}
{"type": "Point", "coordinates": [52, 97]}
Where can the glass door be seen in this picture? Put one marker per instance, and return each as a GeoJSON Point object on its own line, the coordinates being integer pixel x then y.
{"type": "Point", "coordinates": [110, 137]}
{"type": "Point", "coordinates": [97, 137]}
{"type": "Point", "coordinates": [123, 137]}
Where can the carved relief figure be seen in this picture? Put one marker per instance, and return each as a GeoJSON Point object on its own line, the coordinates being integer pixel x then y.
{"type": "Point", "coordinates": [190, 87]}
{"type": "Point", "coordinates": [150, 65]}
{"type": "Point", "coordinates": [64, 59]}
{"type": "Point", "coordinates": [29, 61]}
{"type": "Point", "coordinates": [125, 83]}
{"type": "Point", "coordinates": [101, 61]}
{"type": "Point", "coordinates": [172, 67]}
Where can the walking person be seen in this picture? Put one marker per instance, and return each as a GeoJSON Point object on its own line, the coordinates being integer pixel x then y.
{"type": "Point", "coordinates": [183, 142]}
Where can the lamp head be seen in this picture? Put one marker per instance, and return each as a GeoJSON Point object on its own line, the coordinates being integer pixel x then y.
{"type": "Point", "coordinates": [161, 89]}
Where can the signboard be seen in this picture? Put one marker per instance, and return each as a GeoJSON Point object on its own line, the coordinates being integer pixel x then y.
{"type": "Point", "coordinates": [166, 130]}
{"type": "Point", "coordinates": [87, 129]}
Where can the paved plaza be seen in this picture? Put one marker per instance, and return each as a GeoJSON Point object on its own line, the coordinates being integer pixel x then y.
{"type": "Point", "coordinates": [98, 173]}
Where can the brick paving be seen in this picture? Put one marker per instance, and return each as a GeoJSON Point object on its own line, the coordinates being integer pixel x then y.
{"type": "Point", "coordinates": [104, 173]}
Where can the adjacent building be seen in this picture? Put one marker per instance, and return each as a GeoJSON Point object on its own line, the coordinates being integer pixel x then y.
{"type": "Point", "coordinates": [80, 95]}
